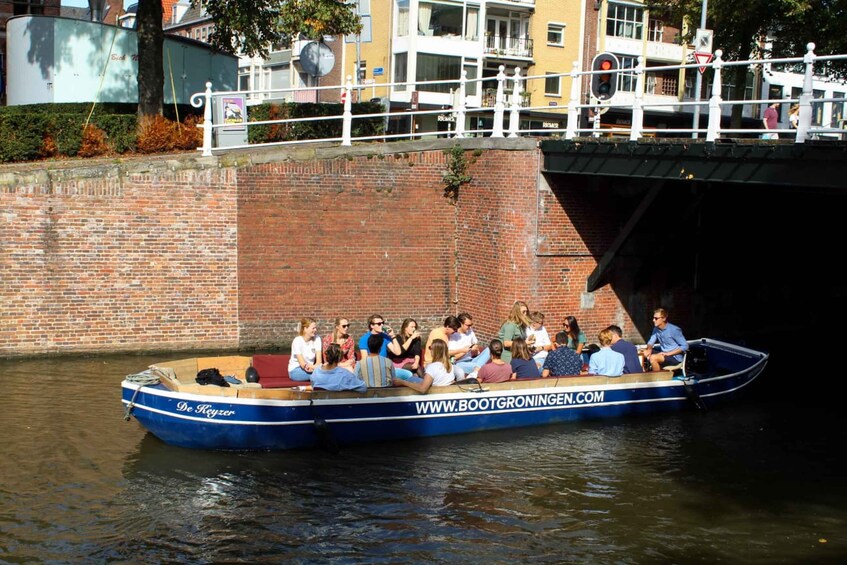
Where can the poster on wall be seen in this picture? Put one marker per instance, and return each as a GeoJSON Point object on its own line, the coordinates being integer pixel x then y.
{"type": "Point", "coordinates": [234, 113]}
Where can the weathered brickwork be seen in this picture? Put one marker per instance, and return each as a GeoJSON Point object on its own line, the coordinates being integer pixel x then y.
{"type": "Point", "coordinates": [233, 251]}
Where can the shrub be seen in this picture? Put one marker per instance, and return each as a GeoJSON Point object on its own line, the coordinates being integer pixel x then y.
{"type": "Point", "coordinates": [22, 137]}
{"type": "Point", "coordinates": [93, 142]}
{"type": "Point", "coordinates": [154, 134]}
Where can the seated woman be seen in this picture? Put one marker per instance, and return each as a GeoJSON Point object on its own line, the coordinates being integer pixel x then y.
{"type": "Point", "coordinates": [438, 373]}
{"type": "Point", "coordinates": [576, 337]}
{"type": "Point", "coordinates": [305, 351]}
{"type": "Point", "coordinates": [523, 365]}
{"type": "Point", "coordinates": [332, 376]}
{"type": "Point", "coordinates": [409, 339]}
{"type": "Point", "coordinates": [496, 370]}
{"type": "Point", "coordinates": [340, 335]}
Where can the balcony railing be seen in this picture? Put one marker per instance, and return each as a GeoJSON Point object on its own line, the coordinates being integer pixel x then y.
{"type": "Point", "coordinates": [508, 46]}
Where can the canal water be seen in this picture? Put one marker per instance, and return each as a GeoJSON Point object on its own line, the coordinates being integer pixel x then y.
{"type": "Point", "coordinates": [761, 481]}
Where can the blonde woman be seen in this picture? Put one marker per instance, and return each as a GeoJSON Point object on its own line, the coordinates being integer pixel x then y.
{"type": "Point", "coordinates": [514, 327]}
{"type": "Point", "coordinates": [340, 335]}
{"type": "Point", "coordinates": [305, 351]}
{"type": "Point", "coordinates": [438, 373]}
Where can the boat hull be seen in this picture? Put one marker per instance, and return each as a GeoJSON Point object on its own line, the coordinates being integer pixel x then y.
{"type": "Point", "coordinates": [313, 419]}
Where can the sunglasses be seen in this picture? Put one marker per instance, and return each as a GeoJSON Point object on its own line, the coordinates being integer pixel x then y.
{"type": "Point", "coordinates": [378, 323]}
{"type": "Point", "coordinates": [657, 317]}
{"type": "Point", "coordinates": [345, 325]}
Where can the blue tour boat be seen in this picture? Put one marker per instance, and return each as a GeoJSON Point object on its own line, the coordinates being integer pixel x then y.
{"type": "Point", "coordinates": [276, 413]}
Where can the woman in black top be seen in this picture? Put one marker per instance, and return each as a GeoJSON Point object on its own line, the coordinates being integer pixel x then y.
{"type": "Point", "coordinates": [409, 339]}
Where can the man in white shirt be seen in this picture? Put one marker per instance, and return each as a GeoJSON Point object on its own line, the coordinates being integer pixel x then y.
{"type": "Point", "coordinates": [464, 347]}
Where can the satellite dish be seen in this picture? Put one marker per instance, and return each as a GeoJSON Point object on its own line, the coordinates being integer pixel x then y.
{"type": "Point", "coordinates": [316, 59]}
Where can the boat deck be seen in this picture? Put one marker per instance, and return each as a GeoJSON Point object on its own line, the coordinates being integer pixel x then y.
{"type": "Point", "coordinates": [180, 376]}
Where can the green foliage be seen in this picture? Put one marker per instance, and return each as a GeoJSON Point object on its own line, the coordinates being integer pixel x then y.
{"type": "Point", "coordinates": [456, 174]}
{"type": "Point", "coordinates": [251, 26]}
{"type": "Point", "coordinates": [22, 137]}
{"type": "Point", "coordinates": [323, 129]}
{"type": "Point", "coordinates": [34, 131]}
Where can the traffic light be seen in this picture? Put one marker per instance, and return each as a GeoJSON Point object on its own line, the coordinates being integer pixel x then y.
{"type": "Point", "coordinates": [604, 83]}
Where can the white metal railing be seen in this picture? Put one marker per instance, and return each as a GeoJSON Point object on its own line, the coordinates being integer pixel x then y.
{"type": "Point", "coordinates": [516, 106]}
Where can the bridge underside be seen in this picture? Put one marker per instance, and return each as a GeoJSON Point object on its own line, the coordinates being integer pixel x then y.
{"type": "Point", "coordinates": [652, 167]}
{"type": "Point", "coordinates": [815, 164]}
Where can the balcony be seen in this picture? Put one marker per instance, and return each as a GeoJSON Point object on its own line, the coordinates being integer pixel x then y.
{"type": "Point", "coordinates": [507, 46]}
{"type": "Point", "coordinates": [489, 98]}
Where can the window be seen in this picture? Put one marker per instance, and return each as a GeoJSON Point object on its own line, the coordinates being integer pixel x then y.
{"type": "Point", "coordinates": [626, 78]}
{"type": "Point", "coordinates": [817, 108]}
{"type": "Point", "coordinates": [401, 71]}
{"type": "Point", "coordinates": [730, 92]}
{"type": "Point", "coordinates": [553, 84]}
{"type": "Point", "coordinates": [655, 30]}
{"type": "Point", "coordinates": [470, 66]}
{"type": "Point", "coordinates": [670, 84]}
{"type": "Point", "coordinates": [438, 67]}
{"type": "Point", "coordinates": [625, 21]}
{"type": "Point", "coordinates": [440, 20]}
{"type": "Point", "coordinates": [244, 79]}
{"type": "Point", "coordinates": [472, 24]}
{"type": "Point", "coordinates": [837, 110]}
{"type": "Point", "coordinates": [24, 7]}
{"type": "Point", "coordinates": [402, 18]}
{"type": "Point", "coordinates": [556, 34]}
{"type": "Point", "coordinates": [280, 80]}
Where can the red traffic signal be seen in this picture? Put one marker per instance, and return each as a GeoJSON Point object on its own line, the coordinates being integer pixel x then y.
{"type": "Point", "coordinates": [604, 82]}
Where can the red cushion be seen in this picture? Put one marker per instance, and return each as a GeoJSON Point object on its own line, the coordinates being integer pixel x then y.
{"type": "Point", "coordinates": [280, 382]}
{"type": "Point", "coordinates": [273, 371]}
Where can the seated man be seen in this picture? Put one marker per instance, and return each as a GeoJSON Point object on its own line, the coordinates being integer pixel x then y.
{"type": "Point", "coordinates": [389, 343]}
{"type": "Point", "coordinates": [451, 326]}
{"type": "Point", "coordinates": [374, 369]}
{"type": "Point", "coordinates": [464, 346]}
{"type": "Point", "coordinates": [542, 344]}
{"type": "Point", "coordinates": [672, 343]}
{"type": "Point", "coordinates": [632, 362]}
{"type": "Point", "coordinates": [562, 361]}
{"type": "Point", "coordinates": [606, 362]}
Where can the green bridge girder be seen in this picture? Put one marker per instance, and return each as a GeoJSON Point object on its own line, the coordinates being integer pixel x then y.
{"type": "Point", "coordinates": [814, 164]}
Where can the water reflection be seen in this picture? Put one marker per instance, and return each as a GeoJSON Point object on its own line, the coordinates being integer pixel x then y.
{"type": "Point", "coordinates": [745, 484]}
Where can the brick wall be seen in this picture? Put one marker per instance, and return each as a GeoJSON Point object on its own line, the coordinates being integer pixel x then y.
{"type": "Point", "coordinates": [106, 259]}
{"type": "Point", "coordinates": [173, 253]}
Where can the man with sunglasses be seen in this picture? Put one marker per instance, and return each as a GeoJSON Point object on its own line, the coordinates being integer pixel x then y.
{"type": "Point", "coordinates": [672, 344]}
{"type": "Point", "coordinates": [376, 323]}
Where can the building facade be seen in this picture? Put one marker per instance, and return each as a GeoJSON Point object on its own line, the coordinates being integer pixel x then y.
{"type": "Point", "coordinates": [12, 8]}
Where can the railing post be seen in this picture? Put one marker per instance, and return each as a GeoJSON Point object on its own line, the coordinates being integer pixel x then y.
{"type": "Point", "coordinates": [714, 130]}
{"type": "Point", "coordinates": [347, 116]}
{"type": "Point", "coordinates": [515, 107]}
{"type": "Point", "coordinates": [207, 120]}
{"type": "Point", "coordinates": [499, 106]}
{"type": "Point", "coordinates": [573, 110]}
{"type": "Point", "coordinates": [637, 108]}
{"type": "Point", "coordinates": [460, 111]}
{"type": "Point", "coordinates": [805, 118]}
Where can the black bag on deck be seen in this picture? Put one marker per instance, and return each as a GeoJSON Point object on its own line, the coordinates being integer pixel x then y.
{"type": "Point", "coordinates": [211, 377]}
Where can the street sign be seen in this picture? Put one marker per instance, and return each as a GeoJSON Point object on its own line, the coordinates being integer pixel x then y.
{"type": "Point", "coordinates": [379, 71]}
{"type": "Point", "coordinates": [703, 59]}
{"type": "Point", "coordinates": [703, 40]}
{"type": "Point", "coordinates": [414, 101]}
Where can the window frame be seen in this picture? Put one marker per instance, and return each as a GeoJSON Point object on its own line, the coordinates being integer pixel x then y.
{"type": "Point", "coordinates": [560, 26]}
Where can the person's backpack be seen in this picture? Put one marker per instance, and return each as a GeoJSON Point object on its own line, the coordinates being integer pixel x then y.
{"type": "Point", "coordinates": [211, 377]}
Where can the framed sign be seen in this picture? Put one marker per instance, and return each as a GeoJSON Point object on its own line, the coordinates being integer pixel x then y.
{"type": "Point", "coordinates": [233, 112]}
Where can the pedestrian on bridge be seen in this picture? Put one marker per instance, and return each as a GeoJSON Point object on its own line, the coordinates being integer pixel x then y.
{"type": "Point", "coordinates": [771, 121]}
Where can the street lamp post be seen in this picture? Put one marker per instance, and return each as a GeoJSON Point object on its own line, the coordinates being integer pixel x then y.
{"type": "Point", "coordinates": [699, 80]}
